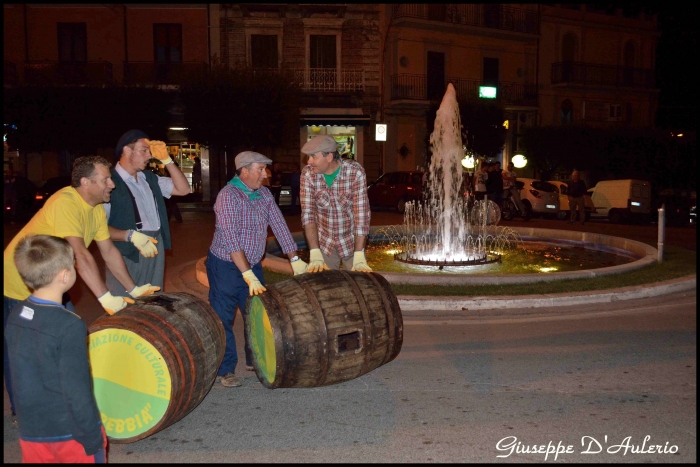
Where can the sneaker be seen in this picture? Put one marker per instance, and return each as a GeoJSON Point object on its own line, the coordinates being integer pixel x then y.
{"type": "Point", "coordinates": [229, 380]}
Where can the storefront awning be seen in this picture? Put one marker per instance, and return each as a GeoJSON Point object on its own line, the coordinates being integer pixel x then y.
{"type": "Point", "coordinates": [337, 120]}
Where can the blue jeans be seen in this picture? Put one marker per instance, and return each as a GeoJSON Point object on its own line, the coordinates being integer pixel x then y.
{"type": "Point", "coordinates": [228, 290]}
{"type": "Point", "coordinates": [8, 304]}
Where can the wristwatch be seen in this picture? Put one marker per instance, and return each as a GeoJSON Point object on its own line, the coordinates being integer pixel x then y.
{"type": "Point", "coordinates": [294, 258]}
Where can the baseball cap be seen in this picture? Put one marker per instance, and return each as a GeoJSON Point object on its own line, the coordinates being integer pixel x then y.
{"type": "Point", "coordinates": [127, 138]}
{"type": "Point", "coordinates": [320, 143]}
{"type": "Point", "coordinates": [248, 157]}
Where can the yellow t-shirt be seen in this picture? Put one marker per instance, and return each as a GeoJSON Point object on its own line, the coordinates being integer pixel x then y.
{"type": "Point", "coordinates": [65, 214]}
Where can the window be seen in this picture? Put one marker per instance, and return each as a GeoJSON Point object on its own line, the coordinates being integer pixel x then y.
{"type": "Point", "coordinates": [167, 43]}
{"type": "Point", "coordinates": [615, 111]}
{"type": "Point", "coordinates": [490, 74]}
{"type": "Point", "coordinates": [322, 53]}
{"type": "Point", "coordinates": [567, 110]}
{"type": "Point", "coordinates": [72, 42]}
{"type": "Point", "coordinates": [263, 51]}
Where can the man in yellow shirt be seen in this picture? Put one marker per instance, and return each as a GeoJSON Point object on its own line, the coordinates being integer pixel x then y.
{"type": "Point", "coordinates": [76, 214]}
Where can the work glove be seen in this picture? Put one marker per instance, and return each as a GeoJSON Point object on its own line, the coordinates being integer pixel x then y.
{"type": "Point", "coordinates": [112, 304]}
{"type": "Point", "coordinates": [142, 291]}
{"type": "Point", "coordinates": [316, 263]}
{"type": "Point", "coordinates": [359, 262]}
{"type": "Point", "coordinates": [145, 244]}
{"type": "Point", "coordinates": [255, 287]}
{"type": "Point", "coordinates": [299, 267]}
{"type": "Point", "coordinates": [159, 151]}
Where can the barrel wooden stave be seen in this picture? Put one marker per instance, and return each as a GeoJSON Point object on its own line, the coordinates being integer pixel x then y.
{"type": "Point", "coordinates": [322, 310]}
{"type": "Point", "coordinates": [190, 337]}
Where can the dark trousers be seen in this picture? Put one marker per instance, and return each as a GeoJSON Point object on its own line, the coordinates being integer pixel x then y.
{"type": "Point", "coordinates": [228, 290]}
{"type": "Point", "coordinates": [295, 197]}
{"type": "Point", "coordinates": [276, 190]}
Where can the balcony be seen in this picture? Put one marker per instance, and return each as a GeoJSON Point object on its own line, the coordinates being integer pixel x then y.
{"type": "Point", "coordinates": [10, 72]}
{"type": "Point", "coordinates": [329, 80]}
{"type": "Point", "coordinates": [493, 16]}
{"type": "Point", "coordinates": [159, 73]}
{"type": "Point", "coordinates": [75, 73]}
{"type": "Point", "coordinates": [602, 75]}
{"type": "Point", "coordinates": [415, 87]}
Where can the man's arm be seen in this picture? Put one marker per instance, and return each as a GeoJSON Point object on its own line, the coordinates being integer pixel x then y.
{"type": "Point", "coordinates": [87, 267]}
{"type": "Point", "coordinates": [360, 242]}
{"type": "Point", "coordinates": [115, 263]}
{"type": "Point", "coordinates": [311, 232]}
{"type": "Point", "coordinates": [181, 186]}
{"type": "Point", "coordinates": [239, 259]}
{"type": "Point", "coordinates": [117, 235]}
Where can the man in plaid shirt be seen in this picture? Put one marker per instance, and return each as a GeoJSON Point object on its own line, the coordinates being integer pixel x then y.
{"type": "Point", "coordinates": [335, 210]}
{"type": "Point", "coordinates": [244, 209]}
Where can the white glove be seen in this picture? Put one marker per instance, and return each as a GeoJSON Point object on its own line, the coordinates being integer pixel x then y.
{"type": "Point", "coordinates": [359, 262]}
{"type": "Point", "coordinates": [316, 263]}
{"type": "Point", "coordinates": [145, 244]}
{"type": "Point", "coordinates": [142, 291]}
{"type": "Point", "coordinates": [299, 267]}
{"type": "Point", "coordinates": [112, 304]}
{"type": "Point", "coordinates": [255, 287]}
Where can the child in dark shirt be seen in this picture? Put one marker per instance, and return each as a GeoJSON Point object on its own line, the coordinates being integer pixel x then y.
{"type": "Point", "coordinates": [56, 409]}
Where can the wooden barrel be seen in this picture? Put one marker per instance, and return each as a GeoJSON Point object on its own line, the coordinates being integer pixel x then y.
{"type": "Point", "coordinates": [153, 362]}
{"type": "Point", "coordinates": [323, 328]}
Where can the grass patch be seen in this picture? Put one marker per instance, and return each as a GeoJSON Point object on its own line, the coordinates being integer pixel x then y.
{"type": "Point", "coordinates": [678, 262]}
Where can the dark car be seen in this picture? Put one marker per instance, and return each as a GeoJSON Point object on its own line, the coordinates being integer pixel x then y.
{"type": "Point", "coordinates": [51, 186]}
{"type": "Point", "coordinates": [395, 189]}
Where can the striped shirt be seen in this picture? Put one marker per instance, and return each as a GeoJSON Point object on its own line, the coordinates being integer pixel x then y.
{"type": "Point", "coordinates": [340, 211]}
{"type": "Point", "coordinates": [242, 224]}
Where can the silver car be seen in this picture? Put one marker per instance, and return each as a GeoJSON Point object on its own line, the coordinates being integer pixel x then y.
{"type": "Point", "coordinates": [543, 197]}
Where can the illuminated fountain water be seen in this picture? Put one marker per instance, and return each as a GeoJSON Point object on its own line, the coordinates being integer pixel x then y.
{"type": "Point", "coordinates": [447, 229]}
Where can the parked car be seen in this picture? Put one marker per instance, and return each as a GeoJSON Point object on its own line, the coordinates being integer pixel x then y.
{"type": "Point", "coordinates": [395, 189]}
{"type": "Point", "coordinates": [622, 200]}
{"type": "Point", "coordinates": [286, 192]}
{"type": "Point", "coordinates": [541, 197]}
{"type": "Point", "coordinates": [51, 186]}
{"type": "Point", "coordinates": [564, 210]}
{"type": "Point", "coordinates": [678, 207]}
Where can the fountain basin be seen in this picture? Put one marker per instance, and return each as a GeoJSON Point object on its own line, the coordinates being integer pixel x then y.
{"type": "Point", "coordinates": [642, 253]}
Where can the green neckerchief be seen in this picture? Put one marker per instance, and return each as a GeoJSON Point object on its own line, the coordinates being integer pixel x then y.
{"type": "Point", "coordinates": [238, 183]}
{"type": "Point", "coordinates": [331, 178]}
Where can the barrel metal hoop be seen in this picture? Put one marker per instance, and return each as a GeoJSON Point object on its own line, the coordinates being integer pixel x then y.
{"type": "Point", "coordinates": [323, 330]}
{"type": "Point", "coordinates": [365, 318]}
{"type": "Point", "coordinates": [287, 333]}
{"type": "Point", "coordinates": [179, 405]}
{"type": "Point", "coordinates": [389, 312]}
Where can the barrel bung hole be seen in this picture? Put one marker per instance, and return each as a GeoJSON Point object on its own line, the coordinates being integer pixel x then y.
{"type": "Point", "coordinates": [348, 342]}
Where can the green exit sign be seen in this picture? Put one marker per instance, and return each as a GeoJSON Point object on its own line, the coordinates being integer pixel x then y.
{"type": "Point", "coordinates": [487, 92]}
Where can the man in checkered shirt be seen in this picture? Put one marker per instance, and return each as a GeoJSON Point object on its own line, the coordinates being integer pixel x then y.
{"type": "Point", "coordinates": [335, 210]}
{"type": "Point", "coordinates": [244, 209]}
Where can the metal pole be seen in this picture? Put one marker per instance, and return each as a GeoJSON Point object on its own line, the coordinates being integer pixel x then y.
{"type": "Point", "coordinates": [662, 222]}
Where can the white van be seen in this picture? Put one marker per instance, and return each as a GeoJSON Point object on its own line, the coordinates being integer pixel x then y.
{"type": "Point", "coordinates": [622, 200]}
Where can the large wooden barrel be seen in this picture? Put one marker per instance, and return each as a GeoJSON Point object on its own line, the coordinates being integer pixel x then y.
{"type": "Point", "coordinates": [323, 328]}
{"type": "Point", "coordinates": [153, 362]}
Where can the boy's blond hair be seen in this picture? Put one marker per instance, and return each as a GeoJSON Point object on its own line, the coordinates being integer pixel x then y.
{"type": "Point", "coordinates": [39, 259]}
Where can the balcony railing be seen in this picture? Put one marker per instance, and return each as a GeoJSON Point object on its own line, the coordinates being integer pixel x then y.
{"type": "Point", "coordinates": [602, 75]}
{"type": "Point", "coordinates": [46, 72]}
{"type": "Point", "coordinates": [10, 73]}
{"type": "Point", "coordinates": [329, 80]}
{"type": "Point", "coordinates": [155, 73]}
{"type": "Point", "coordinates": [485, 15]}
{"type": "Point", "coordinates": [415, 87]}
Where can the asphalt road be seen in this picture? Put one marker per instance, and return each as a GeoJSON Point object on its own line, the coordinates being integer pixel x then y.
{"type": "Point", "coordinates": [461, 386]}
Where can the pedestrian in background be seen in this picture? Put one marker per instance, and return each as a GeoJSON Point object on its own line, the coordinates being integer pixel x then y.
{"type": "Point", "coordinates": [137, 214]}
{"type": "Point", "coordinates": [576, 190]}
{"type": "Point", "coordinates": [197, 175]}
{"type": "Point", "coordinates": [480, 178]}
{"type": "Point", "coordinates": [335, 209]}
{"type": "Point", "coordinates": [57, 414]}
{"type": "Point", "coordinates": [276, 182]}
{"type": "Point", "coordinates": [295, 187]}
{"type": "Point", "coordinates": [244, 210]}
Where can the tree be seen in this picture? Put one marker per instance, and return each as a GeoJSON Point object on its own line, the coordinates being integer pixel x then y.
{"type": "Point", "coordinates": [241, 108]}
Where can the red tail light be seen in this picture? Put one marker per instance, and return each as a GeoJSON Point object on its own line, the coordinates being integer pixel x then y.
{"type": "Point", "coordinates": [38, 197]}
{"type": "Point", "coordinates": [536, 194]}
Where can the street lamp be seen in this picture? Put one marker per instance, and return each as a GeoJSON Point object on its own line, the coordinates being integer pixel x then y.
{"type": "Point", "coordinates": [519, 161]}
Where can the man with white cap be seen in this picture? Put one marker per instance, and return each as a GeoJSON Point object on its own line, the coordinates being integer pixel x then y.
{"type": "Point", "coordinates": [244, 209]}
{"type": "Point", "coordinates": [335, 210]}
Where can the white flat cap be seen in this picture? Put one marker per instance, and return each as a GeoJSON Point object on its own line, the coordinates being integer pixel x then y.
{"type": "Point", "coordinates": [248, 157]}
{"type": "Point", "coordinates": [320, 143]}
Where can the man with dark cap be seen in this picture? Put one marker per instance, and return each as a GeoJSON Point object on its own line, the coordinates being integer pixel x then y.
{"type": "Point", "coordinates": [244, 209]}
{"type": "Point", "coordinates": [137, 215]}
{"type": "Point", "coordinates": [335, 210]}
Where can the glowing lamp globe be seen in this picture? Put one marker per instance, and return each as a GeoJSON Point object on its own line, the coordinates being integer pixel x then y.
{"type": "Point", "coordinates": [519, 161]}
{"type": "Point", "coordinates": [468, 162]}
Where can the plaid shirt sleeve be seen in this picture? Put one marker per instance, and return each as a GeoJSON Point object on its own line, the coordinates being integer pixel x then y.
{"type": "Point", "coordinates": [280, 228]}
{"type": "Point", "coordinates": [360, 203]}
{"type": "Point", "coordinates": [225, 238]}
{"type": "Point", "coordinates": [306, 195]}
